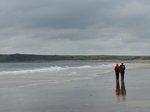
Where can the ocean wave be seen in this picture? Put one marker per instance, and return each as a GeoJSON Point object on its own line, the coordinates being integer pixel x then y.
{"type": "Point", "coordinates": [54, 69]}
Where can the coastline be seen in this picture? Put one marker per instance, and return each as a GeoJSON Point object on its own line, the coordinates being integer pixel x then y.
{"type": "Point", "coordinates": [95, 94]}
{"type": "Point", "coordinates": [85, 61]}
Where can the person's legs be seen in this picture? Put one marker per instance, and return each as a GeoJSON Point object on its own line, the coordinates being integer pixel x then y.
{"type": "Point", "coordinates": [117, 76]}
{"type": "Point", "coordinates": [122, 76]}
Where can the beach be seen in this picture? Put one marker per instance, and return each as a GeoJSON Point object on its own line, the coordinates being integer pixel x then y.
{"type": "Point", "coordinates": [95, 93]}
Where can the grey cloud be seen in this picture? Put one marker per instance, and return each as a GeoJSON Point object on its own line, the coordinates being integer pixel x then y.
{"type": "Point", "coordinates": [88, 26]}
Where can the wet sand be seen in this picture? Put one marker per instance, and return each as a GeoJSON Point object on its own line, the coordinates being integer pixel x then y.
{"type": "Point", "coordinates": [95, 94]}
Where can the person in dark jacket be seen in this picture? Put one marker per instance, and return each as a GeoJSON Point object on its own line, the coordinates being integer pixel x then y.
{"type": "Point", "coordinates": [122, 71]}
{"type": "Point", "coordinates": [117, 70]}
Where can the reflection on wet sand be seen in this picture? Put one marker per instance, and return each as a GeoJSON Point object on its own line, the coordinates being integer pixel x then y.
{"type": "Point", "coordinates": [120, 91]}
{"type": "Point", "coordinates": [123, 89]}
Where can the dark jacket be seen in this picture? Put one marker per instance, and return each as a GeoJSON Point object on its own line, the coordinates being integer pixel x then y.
{"type": "Point", "coordinates": [122, 68]}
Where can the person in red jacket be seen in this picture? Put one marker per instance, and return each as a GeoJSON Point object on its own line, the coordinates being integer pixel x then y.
{"type": "Point", "coordinates": [117, 70]}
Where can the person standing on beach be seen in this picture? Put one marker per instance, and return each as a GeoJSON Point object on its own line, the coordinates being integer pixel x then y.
{"type": "Point", "coordinates": [117, 70]}
{"type": "Point", "coordinates": [122, 71]}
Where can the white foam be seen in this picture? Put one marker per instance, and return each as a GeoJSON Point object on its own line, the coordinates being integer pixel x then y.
{"type": "Point", "coordinates": [55, 69]}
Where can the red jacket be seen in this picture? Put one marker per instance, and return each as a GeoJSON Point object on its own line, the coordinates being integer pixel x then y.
{"type": "Point", "coordinates": [117, 66]}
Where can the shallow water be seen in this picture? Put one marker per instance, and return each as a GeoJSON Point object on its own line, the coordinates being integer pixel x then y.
{"type": "Point", "coordinates": [58, 69]}
{"type": "Point", "coordinates": [53, 69]}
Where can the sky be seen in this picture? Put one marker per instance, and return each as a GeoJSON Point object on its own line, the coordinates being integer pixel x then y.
{"type": "Point", "coordinates": [75, 27]}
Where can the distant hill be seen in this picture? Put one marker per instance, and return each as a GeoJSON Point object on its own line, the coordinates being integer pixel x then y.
{"type": "Point", "coordinates": [40, 58]}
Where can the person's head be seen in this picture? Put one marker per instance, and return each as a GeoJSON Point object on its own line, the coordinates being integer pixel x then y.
{"type": "Point", "coordinates": [122, 63]}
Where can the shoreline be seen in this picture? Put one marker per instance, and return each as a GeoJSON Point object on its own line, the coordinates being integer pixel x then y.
{"type": "Point", "coordinates": [95, 94]}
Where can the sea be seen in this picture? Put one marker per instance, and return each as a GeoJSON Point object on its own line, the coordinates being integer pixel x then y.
{"type": "Point", "coordinates": [57, 69]}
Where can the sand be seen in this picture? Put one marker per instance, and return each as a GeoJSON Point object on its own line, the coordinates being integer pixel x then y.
{"type": "Point", "coordinates": [94, 94]}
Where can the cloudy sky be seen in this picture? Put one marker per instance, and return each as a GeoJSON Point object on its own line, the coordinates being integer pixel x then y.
{"type": "Point", "coordinates": [75, 27]}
